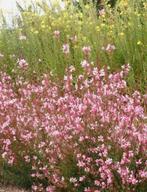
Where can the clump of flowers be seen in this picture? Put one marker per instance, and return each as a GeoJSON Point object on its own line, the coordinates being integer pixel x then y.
{"type": "Point", "coordinates": [109, 48]}
{"type": "Point", "coordinates": [22, 64]}
{"type": "Point", "coordinates": [89, 135]}
{"type": "Point", "coordinates": [86, 50]}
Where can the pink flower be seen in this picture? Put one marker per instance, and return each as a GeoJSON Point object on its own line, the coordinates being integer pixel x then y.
{"type": "Point", "coordinates": [22, 64]}
{"type": "Point", "coordinates": [89, 124]}
{"type": "Point", "coordinates": [34, 187]}
{"type": "Point", "coordinates": [86, 50]}
{"type": "Point", "coordinates": [109, 48]}
{"type": "Point", "coordinates": [65, 49]}
{"type": "Point", "coordinates": [97, 182]}
{"type": "Point", "coordinates": [81, 178]}
{"type": "Point", "coordinates": [11, 160]}
{"type": "Point", "coordinates": [56, 34]}
{"type": "Point", "coordinates": [85, 64]}
{"type": "Point", "coordinates": [87, 189]}
{"type": "Point", "coordinates": [50, 189]}
{"type": "Point", "coordinates": [102, 12]}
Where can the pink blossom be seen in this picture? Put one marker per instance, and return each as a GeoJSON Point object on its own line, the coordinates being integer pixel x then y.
{"type": "Point", "coordinates": [22, 64]}
{"type": "Point", "coordinates": [34, 188]}
{"type": "Point", "coordinates": [50, 189]}
{"type": "Point", "coordinates": [77, 136]}
{"type": "Point", "coordinates": [57, 34]}
{"type": "Point", "coordinates": [86, 50]}
{"type": "Point", "coordinates": [102, 12]}
{"type": "Point", "coordinates": [85, 64]}
{"type": "Point", "coordinates": [65, 49]}
{"type": "Point", "coordinates": [109, 48]}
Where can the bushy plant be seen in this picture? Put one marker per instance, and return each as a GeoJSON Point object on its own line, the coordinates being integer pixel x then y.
{"type": "Point", "coordinates": [33, 37]}
{"type": "Point", "coordinates": [67, 125]}
{"type": "Point", "coordinates": [82, 134]}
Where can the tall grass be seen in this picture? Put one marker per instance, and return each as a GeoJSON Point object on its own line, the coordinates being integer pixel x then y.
{"type": "Point", "coordinates": [123, 26]}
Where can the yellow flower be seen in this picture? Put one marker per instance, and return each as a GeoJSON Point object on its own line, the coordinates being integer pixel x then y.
{"type": "Point", "coordinates": [42, 22]}
{"type": "Point", "coordinates": [123, 3]}
{"type": "Point", "coordinates": [79, 22]}
{"type": "Point", "coordinates": [67, 36]}
{"type": "Point", "coordinates": [80, 15]}
{"type": "Point", "coordinates": [121, 34]}
{"type": "Point", "coordinates": [103, 25]}
{"type": "Point", "coordinates": [43, 26]}
{"type": "Point", "coordinates": [97, 28]}
{"type": "Point", "coordinates": [145, 5]}
{"type": "Point", "coordinates": [111, 26]}
{"type": "Point", "coordinates": [65, 14]}
{"type": "Point", "coordinates": [36, 32]}
{"type": "Point", "coordinates": [139, 43]}
{"type": "Point", "coordinates": [87, 6]}
{"type": "Point", "coordinates": [129, 24]}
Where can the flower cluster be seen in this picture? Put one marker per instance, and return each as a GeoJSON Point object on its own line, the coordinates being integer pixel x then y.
{"type": "Point", "coordinates": [109, 48]}
{"type": "Point", "coordinates": [86, 50]}
{"type": "Point", "coordinates": [22, 64]}
{"type": "Point", "coordinates": [87, 135]}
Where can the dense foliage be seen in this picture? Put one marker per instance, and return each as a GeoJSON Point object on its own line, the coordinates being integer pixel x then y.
{"type": "Point", "coordinates": [72, 98]}
{"type": "Point", "coordinates": [33, 37]}
{"type": "Point", "coordinates": [84, 135]}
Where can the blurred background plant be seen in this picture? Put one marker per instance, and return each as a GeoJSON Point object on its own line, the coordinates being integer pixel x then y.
{"type": "Point", "coordinates": [32, 36]}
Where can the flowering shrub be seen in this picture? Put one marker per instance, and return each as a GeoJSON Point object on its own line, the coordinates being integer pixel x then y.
{"type": "Point", "coordinates": [87, 135]}
{"type": "Point", "coordinates": [62, 32]}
